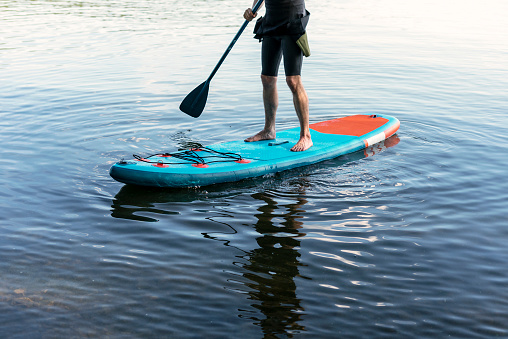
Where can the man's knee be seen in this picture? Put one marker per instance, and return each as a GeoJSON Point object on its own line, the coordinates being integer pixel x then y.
{"type": "Point", "coordinates": [268, 81]}
{"type": "Point", "coordinates": [294, 82]}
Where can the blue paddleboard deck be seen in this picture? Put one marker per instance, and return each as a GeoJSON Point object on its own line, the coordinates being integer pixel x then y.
{"type": "Point", "coordinates": [237, 160]}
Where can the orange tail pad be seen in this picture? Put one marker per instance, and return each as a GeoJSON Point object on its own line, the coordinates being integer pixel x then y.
{"type": "Point", "coordinates": [356, 125]}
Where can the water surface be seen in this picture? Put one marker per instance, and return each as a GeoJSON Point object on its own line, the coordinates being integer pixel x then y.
{"type": "Point", "coordinates": [407, 239]}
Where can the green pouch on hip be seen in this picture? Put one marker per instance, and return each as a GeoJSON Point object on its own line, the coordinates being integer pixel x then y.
{"type": "Point", "coordinates": [303, 43]}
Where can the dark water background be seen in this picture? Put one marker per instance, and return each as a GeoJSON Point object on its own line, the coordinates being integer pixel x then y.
{"type": "Point", "coordinates": [406, 240]}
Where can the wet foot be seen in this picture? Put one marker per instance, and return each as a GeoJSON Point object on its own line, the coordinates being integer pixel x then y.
{"type": "Point", "coordinates": [263, 135]}
{"type": "Point", "coordinates": [303, 144]}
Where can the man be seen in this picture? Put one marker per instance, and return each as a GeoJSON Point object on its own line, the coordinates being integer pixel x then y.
{"type": "Point", "coordinates": [283, 23]}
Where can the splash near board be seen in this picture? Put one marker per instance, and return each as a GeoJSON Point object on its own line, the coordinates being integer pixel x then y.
{"type": "Point", "coordinates": [237, 160]}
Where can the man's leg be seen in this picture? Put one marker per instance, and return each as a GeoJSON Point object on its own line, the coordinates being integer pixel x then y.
{"type": "Point", "coordinates": [271, 102]}
{"type": "Point", "coordinates": [301, 102]}
{"type": "Point", "coordinates": [271, 55]}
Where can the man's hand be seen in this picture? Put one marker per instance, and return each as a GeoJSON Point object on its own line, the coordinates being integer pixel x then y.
{"type": "Point", "coordinates": [248, 15]}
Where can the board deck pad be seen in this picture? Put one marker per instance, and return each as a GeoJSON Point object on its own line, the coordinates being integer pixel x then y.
{"type": "Point", "coordinates": [201, 167]}
{"type": "Point", "coordinates": [356, 125]}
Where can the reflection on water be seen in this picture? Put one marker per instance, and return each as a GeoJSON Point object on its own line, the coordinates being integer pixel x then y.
{"type": "Point", "coordinates": [269, 270]}
{"type": "Point", "coordinates": [273, 266]}
{"type": "Point", "coordinates": [131, 201]}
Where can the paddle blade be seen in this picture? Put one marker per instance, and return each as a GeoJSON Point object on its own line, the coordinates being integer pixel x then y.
{"type": "Point", "coordinates": [194, 103]}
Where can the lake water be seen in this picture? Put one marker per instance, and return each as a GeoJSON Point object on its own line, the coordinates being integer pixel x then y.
{"type": "Point", "coordinates": [405, 240]}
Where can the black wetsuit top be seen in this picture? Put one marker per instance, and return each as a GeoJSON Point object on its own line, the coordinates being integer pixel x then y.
{"type": "Point", "coordinates": [281, 18]}
{"type": "Point", "coordinates": [283, 23]}
{"type": "Point", "coordinates": [280, 12]}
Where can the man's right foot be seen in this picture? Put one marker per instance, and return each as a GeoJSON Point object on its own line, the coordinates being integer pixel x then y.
{"type": "Point", "coordinates": [263, 135]}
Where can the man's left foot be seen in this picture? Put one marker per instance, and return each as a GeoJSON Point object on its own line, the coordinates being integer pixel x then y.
{"type": "Point", "coordinates": [302, 145]}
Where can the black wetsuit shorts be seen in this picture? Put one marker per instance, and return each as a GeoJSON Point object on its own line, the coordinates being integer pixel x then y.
{"type": "Point", "coordinates": [274, 48]}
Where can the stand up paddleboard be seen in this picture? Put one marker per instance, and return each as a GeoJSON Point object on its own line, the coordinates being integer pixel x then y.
{"type": "Point", "coordinates": [237, 160]}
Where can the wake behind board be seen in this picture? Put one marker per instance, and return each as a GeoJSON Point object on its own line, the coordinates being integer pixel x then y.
{"type": "Point", "coordinates": [237, 160]}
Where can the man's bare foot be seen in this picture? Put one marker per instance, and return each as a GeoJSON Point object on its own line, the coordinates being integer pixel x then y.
{"type": "Point", "coordinates": [303, 144]}
{"type": "Point", "coordinates": [263, 135]}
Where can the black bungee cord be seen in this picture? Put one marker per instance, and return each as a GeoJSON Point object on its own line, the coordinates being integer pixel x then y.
{"type": "Point", "coordinates": [192, 156]}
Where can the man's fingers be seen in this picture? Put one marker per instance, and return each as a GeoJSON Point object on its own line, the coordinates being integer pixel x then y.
{"type": "Point", "coordinates": [248, 15]}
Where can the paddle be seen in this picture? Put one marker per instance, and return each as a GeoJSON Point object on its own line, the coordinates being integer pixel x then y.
{"type": "Point", "coordinates": [194, 103]}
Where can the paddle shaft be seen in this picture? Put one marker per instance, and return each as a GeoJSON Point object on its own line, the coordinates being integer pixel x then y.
{"type": "Point", "coordinates": [254, 10]}
{"type": "Point", "coordinates": [195, 101]}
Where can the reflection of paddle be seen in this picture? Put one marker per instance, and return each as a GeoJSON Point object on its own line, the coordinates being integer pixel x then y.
{"type": "Point", "coordinates": [195, 101]}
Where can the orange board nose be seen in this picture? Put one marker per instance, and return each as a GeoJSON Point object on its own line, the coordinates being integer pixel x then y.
{"type": "Point", "coordinates": [356, 125]}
